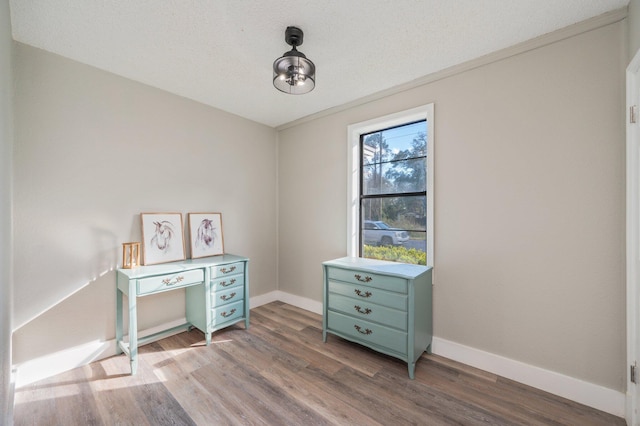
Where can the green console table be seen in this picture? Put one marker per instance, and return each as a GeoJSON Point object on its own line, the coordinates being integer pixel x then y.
{"type": "Point", "coordinates": [386, 306]}
{"type": "Point", "coordinates": [217, 296]}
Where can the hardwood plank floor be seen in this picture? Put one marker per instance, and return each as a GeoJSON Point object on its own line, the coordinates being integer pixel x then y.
{"type": "Point", "coordinates": [279, 372]}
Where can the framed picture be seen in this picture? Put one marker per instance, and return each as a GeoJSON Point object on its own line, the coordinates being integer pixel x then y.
{"type": "Point", "coordinates": [162, 236]}
{"type": "Point", "coordinates": [205, 231]}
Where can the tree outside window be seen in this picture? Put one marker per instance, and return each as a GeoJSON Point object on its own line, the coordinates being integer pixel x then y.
{"type": "Point", "coordinates": [393, 193]}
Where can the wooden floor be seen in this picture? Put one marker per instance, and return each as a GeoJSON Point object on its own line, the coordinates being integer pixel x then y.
{"type": "Point", "coordinates": [279, 372]}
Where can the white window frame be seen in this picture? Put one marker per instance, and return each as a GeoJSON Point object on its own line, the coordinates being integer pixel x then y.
{"type": "Point", "coordinates": [354, 131]}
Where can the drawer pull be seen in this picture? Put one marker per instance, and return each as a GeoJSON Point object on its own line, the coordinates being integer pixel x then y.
{"type": "Point", "coordinates": [167, 281]}
{"type": "Point", "coordinates": [225, 297]}
{"type": "Point", "coordinates": [366, 279]}
{"type": "Point", "coordinates": [362, 294]}
{"type": "Point", "coordinates": [226, 271]}
{"type": "Point", "coordinates": [365, 311]}
{"type": "Point", "coordinates": [359, 329]}
{"type": "Point", "coordinates": [226, 284]}
{"type": "Point", "coordinates": [225, 314]}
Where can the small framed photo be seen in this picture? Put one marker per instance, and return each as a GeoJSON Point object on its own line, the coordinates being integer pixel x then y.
{"type": "Point", "coordinates": [162, 236]}
{"type": "Point", "coordinates": [205, 231]}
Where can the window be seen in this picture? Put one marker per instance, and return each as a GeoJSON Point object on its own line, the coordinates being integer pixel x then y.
{"type": "Point", "coordinates": [391, 187]}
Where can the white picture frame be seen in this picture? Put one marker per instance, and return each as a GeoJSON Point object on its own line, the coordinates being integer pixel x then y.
{"type": "Point", "coordinates": [205, 234]}
{"type": "Point", "coordinates": [162, 238]}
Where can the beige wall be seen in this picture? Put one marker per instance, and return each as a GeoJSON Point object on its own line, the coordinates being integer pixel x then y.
{"type": "Point", "coordinates": [94, 150]}
{"type": "Point", "coordinates": [529, 214]}
{"type": "Point", "coordinates": [6, 144]}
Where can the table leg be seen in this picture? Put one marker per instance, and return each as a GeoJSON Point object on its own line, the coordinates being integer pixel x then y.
{"type": "Point", "coordinates": [133, 331]}
{"type": "Point", "coordinates": [119, 332]}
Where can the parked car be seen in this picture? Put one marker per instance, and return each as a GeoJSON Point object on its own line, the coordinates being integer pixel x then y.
{"type": "Point", "coordinates": [377, 232]}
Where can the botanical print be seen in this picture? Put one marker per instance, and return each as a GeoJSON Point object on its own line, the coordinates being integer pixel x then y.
{"type": "Point", "coordinates": [205, 230]}
{"type": "Point", "coordinates": [162, 236]}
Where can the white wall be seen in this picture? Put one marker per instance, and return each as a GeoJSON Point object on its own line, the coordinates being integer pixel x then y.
{"type": "Point", "coordinates": [634, 27]}
{"type": "Point", "coordinates": [93, 150]}
{"type": "Point", "coordinates": [6, 144]}
{"type": "Point", "coordinates": [529, 214]}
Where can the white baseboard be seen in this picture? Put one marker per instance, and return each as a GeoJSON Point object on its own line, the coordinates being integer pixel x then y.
{"type": "Point", "coordinates": [49, 365]}
{"type": "Point", "coordinates": [592, 395]}
{"type": "Point", "coordinates": [599, 397]}
{"type": "Point", "coordinates": [291, 299]}
{"type": "Point", "coordinates": [263, 299]}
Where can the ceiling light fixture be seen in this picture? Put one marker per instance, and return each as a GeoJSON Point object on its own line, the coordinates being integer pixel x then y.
{"type": "Point", "coordinates": [293, 73]}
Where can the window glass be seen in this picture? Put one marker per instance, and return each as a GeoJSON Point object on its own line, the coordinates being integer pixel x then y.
{"type": "Point", "coordinates": [393, 193]}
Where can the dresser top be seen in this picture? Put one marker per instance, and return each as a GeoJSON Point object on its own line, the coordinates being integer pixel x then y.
{"type": "Point", "coordinates": [384, 267]}
{"type": "Point", "coordinates": [182, 265]}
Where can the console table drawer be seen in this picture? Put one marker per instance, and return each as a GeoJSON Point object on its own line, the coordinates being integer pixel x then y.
{"type": "Point", "coordinates": [228, 269]}
{"type": "Point", "coordinates": [368, 332]}
{"type": "Point", "coordinates": [169, 281]}
{"type": "Point", "coordinates": [227, 282]}
{"type": "Point", "coordinates": [385, 282]}
{"type": "Point", "coordinates": [227, 313]}
{"type": "Point", "coordinates": [370, 295]}
{"type": "Point", "coordinates": [223, 297]}
{"type": "Point", "coordinates": [369, 311]}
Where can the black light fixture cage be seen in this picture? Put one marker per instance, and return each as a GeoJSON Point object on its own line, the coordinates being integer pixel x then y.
{"type": "Point", "coordinates": [293, 73]}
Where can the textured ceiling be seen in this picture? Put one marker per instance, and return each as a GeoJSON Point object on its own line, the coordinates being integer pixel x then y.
{"type": "Point", "coordinates": [220, 52]}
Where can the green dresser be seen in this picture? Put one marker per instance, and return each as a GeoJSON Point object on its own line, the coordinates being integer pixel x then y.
{"type": "Point", "coordinates": [386, 306]}
{"type": "Point", "coordinates": [217, 296]}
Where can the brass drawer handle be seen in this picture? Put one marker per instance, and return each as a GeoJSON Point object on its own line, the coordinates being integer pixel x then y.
{"type": "Point", "coordinates": [225, 314]}
{"type": "Point", "coordinates": [365, 311]}
{"type": "Point", "coordinates": [366, 330]}
{"type": "Point", "coordinates": [226, 271]}
{"type": "Point", "coordinates": [167, 281]}
{"type": "Point", "coordinates": [366, 279]}
{"type": "Point", "coordinates": [226, 284]}
{"type": "Point", "coordinates": [362, 294]}
{"type": "Point", "coordinates": [229, 297]}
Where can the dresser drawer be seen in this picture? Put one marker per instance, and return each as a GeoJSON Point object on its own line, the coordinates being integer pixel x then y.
{"type": "Point", "coordinates": [223, 297]}
{"type": "Point", "coordinates": [368, 311]}
{"type": "Point", "coordinates": [227, 313]}
{"type": "Point", "coordinates": [225, 283]}
{"type": "Point", "coordinates": [367, 332]}
{"type": "Point", "coordinates": [228, 269]}
{"type": "Point", "coordinates": [169, 281]}
{"type": "Point", "coordinates": [385, 282]}
{"type": "Point", "coordinates": [370, 295]}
